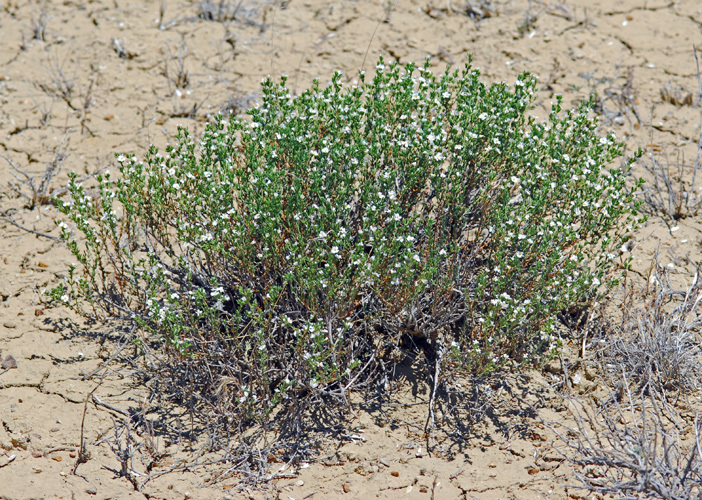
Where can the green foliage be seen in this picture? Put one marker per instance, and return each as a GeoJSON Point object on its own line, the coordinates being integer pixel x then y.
{"type": "Point", "coordinates": [291, 254]}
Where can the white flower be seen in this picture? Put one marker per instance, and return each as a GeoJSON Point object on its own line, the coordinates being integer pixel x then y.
{"type": "Point", "coordinates": [65, 298]}
{"type": "Point", "coordinates": [416, 257]}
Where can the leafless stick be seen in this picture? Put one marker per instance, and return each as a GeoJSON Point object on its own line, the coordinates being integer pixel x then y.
{"type": "Point", "coordinates": [10, 220]}
{"type": "Point", "coordinates": [83, 453]}
{"type": "Point", "coordinates": [439, 353]}
{"type": "Point", "coordinates": [99, 402]}
{"type": "Point", "coordinates": [59, 448]}
{"type": "Point", "coordinates": [699, 105]}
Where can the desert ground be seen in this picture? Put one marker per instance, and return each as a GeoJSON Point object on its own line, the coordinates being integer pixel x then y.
{"type": "Point", "coordinates": [82, 80]}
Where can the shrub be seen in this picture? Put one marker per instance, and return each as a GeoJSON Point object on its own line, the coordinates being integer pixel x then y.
{"type": "Point", "coordinates": [658, 345]}
{"type": "Point", "coordinates": [289, 255]}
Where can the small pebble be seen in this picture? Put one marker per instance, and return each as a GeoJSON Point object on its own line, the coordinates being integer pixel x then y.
{"type": "Point", "coordinates": [9, 324]}
{"type": "Point", "coordinates": [384, 462]}
{"type": "Point", "coordinates": [91, 491]}
{"type": "Point", "coordinates": [8, 363]}
{"type": "Point", "coordinates": [346, 487]}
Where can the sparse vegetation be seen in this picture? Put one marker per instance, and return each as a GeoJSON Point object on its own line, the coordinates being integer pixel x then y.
{"type": "Point", "coordinates": [38, 191]}
{"type": "Point", "coordinates": [634, 448]}
{"type": "Point", "coordinates": [674, 192]}
{"type": "Point", "coordinates": [271, 329]}
{"type": "Point", "coordinates": [658, 345]}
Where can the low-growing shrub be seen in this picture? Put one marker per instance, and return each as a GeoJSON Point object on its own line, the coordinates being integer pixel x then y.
{"type": "Point", "coordinates": [288, 256]}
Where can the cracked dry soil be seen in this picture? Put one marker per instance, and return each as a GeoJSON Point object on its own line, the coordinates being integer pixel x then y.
{"type": "Point", "coordinates": [83, 80]}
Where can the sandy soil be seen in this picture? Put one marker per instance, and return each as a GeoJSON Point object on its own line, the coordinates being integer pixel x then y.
{"type": "Point", "coordinates": [82, 80]}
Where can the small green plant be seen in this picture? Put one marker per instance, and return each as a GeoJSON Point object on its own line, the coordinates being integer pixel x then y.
{"type": "Point", "coordinates": [286, 257]}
